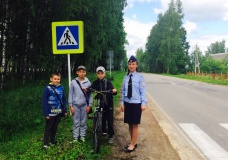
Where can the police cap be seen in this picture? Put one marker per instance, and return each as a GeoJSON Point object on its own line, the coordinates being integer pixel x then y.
{"type": "Point", "coordinates": [132, 59]}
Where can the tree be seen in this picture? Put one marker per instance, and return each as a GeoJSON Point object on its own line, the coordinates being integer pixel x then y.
{"type": "Point", "coordinates": [167, 49]}
{"type": "Point", "coordinates": [217, 47]}
{"type": "Point", "coordinates": [139, 57]}
{"type": "Point", "coordinates": [4, 32]}
{"type": "Point", "coordinates": [212, 66]}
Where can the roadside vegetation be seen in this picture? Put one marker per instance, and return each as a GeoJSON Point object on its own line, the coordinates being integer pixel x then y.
{"type": "Point", "coordinates": [22, 126]}
{"type": "Point", "coordinates": [207, 79]}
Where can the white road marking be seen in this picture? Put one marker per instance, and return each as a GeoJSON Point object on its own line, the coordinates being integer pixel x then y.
{"type": "Point", "coordinates": [172, 83]}
{"type": "Point", "coordinates": [207, 145]}
{"type": "Point", "coordinates": [225, 125]}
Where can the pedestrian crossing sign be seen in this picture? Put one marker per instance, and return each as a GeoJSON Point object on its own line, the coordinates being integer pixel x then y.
{"type": "Point", "coordinates": [67, 37]}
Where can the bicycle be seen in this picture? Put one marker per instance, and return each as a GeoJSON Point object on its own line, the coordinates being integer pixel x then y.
{"type": "Point", "coordinates": [100, 98]}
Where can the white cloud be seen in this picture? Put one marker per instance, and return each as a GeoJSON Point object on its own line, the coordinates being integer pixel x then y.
{"type": "Point", "coordinates": [163, 8]}
{"type": "Point", "coordinates": [200, 10]}
{"type": "Point", "coordinates": [134, 16]}
{"type": "Point", "coordinates": [206, 40]}
{"type": "Point", "coordinates": [205, 10]}
{"type": "Point", "coordinates": [137, 34]}
{"type": "Point", "coordinates": [158, 11]}
{"type": "Point", "coordinates": [190, 27]}
{"type": "Point", "coordinates": [131, 3]}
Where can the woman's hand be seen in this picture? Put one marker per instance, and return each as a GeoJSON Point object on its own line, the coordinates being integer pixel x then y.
{"type": "Point", "coordinates": [122, 108]}
{"type": "Point", "coordinates": [143, 108]}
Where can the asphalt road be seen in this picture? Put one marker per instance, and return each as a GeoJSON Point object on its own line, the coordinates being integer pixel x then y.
{"type": "Point", "coordinates": [199, 110]}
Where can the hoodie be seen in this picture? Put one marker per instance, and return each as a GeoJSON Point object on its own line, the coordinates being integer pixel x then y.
{"type": "Point", "coordinates": [76, 95]}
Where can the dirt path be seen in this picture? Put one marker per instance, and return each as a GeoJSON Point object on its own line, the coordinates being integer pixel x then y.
{"type": "Point", "coordinates": [153, 143]}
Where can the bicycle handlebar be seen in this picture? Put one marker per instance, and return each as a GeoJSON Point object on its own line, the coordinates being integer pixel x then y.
{"type": "Point", "coordinates": [96, 91]}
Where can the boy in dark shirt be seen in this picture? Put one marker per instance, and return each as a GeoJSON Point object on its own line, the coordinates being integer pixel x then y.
{"type": "Point", "coordinates": [102, 84]}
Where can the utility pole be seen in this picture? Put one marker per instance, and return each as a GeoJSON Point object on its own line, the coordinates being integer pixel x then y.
{"type": "Point", "coordinates": [197, 64]}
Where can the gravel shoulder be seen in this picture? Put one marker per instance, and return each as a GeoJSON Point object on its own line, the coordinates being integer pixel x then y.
{"type": "Point", "coordinates": [158, 138]}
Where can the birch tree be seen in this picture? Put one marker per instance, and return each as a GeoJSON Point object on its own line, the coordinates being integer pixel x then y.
{"type": "Point", "coordinates": [4, 43]}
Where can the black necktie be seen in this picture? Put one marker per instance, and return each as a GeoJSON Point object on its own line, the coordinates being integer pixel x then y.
{"type": "Point", "coordinates": [129, 92]}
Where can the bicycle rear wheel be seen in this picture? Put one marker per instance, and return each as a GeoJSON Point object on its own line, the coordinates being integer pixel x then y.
{"type": "Point", "coordinates": [97, 131]}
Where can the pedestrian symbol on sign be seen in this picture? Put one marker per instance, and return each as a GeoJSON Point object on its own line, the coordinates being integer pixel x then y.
{"type": "Point", "coordinates": [67, 38]}
{"type": "Point", "coordinates": [66, 35]}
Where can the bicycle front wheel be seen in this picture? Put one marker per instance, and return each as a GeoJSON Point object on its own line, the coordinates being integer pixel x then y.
{"type": "Point", "coordinates": [97, 132]}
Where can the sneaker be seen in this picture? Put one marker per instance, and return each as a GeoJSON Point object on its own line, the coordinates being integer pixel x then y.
{"type": "Point", "coordinates": [74, 141]}
{"type": "Point", "coordinates": [104, 133]}
{"type": "Point", "coordinates": [46, 147]}
{"type": "Point", "coordinates": [111, 140]}
{"type": "Point", "coordinates": [82, 139]}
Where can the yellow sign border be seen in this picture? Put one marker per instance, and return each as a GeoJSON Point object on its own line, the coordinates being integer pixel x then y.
{"type": "Point", "coordinates": [81, 37]}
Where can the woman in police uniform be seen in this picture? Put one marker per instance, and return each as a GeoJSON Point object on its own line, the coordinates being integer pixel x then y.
{"type": "Point", "coordinates": [133, 101]}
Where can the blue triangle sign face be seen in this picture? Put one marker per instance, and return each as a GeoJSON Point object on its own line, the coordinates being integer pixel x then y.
{"type": "Point", "coordinates": [67, 37]}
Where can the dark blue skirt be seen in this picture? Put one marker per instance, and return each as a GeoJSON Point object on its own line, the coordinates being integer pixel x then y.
{"type": "Point", "coordinates": [132, 113]}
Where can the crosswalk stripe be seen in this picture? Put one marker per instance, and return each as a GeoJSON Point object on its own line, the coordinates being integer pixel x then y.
{"type": "Point", "coordinates": [225, 125]}
{"type": "Point", "coordinates": [206, 144]}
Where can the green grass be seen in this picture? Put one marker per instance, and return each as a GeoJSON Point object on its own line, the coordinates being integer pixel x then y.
{"type": "Point", "coordinates": [22, 126]}
{"type": "Point", "coordinates": [201, 79]}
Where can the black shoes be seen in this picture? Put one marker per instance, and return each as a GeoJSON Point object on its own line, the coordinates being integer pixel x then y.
{"type": "Point", "coordinates": [129, 150]}
{"type": "Point", "coordinates": [126, 147]}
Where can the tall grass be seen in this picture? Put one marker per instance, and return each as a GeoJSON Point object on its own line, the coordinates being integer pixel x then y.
{"type": "Point", "coordinates": [22, 126]}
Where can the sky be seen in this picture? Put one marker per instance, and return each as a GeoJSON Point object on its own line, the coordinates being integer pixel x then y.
{"type": "Point", "coordinates": [206, 21]}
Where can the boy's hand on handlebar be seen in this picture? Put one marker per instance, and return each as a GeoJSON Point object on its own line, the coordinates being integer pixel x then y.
{"type": "Point", "coordinates": [89, 89]}
{"type": "Point", "coordinates": [114, 90]}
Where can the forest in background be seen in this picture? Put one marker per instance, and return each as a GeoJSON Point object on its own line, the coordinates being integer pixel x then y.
{"type": "Point", "coordinates": [25, 37]}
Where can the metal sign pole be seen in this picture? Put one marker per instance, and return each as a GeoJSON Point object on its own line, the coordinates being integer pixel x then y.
{"type": "Point", "coordinates": [69, 70]}
{"type": "Point", "coordinates": [110, 67]}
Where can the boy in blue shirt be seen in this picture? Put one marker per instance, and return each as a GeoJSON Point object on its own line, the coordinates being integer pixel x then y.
{"type": "Point", "coordinates": [52, 108]}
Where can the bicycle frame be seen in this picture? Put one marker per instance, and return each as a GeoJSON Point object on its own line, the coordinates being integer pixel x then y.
{"type": "Point", "coordinates": [97, 120]}
{"type": "Point", "coordinates": [97, 123]}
